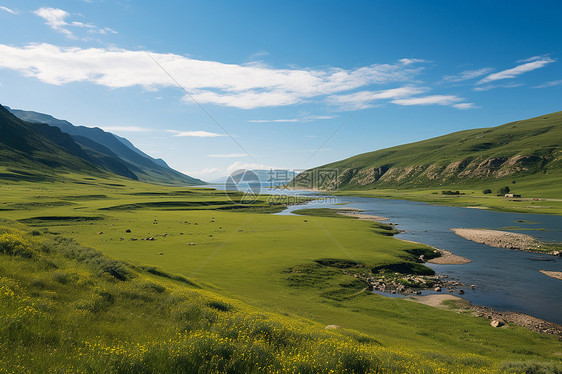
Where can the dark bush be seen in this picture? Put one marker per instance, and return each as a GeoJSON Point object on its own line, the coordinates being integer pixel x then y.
{"type": "Point", "coordinates": [504, 190]}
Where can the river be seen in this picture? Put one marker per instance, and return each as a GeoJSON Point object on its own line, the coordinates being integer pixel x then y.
{"type": "Point", "coordinates": [506, 280]}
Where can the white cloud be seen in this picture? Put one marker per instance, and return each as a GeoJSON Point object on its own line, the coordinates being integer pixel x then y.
{"type": "Point", "coordinates": [549, 84]}
{"type": "Point", "coordinates": [55, 18]}
{"type": "Point", "coordinates": [126, 128]}
{"type": "Point", "coordinates": [214, 82]}
{"type": "Point", "coordinates": [533, 63]}
{"type": "Point", "coordinates": [203, 172]}
{"type": "Point", "coordinates": [258, 55]}
{"type": "Point", "coordinates": [429, 100]}
{"type": "Point", "coordinates": [290, 120]}
{"type": "Point", "coordinates": [197, 134]}
{"type": "Point", "coordinates": [354, 100]}
{"type": "Point", "coordinates": [8, 10]}
{"type": "Point", "coordinates": [464, 106]}
{"type": "Point", "coordinates": [106, 30]}
{"type": "Point", "coordinates": [466, 75]}
{"type": "Point", "coordinates": [492, 86]}
{"type": "Point", "coordinates": [231, 155]}
{"type": "Point", "coordinates": [273, 120]}
{"type": "Point", "coordinates": [249, 166]}
{"type": "Point", "coordinates": [314, 118]}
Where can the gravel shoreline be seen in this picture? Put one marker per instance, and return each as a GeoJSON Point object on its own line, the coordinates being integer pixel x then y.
{"type": "Point", "coordinates": [501, 239]}
{"type": "Point", "coordinates": [449, 258]}
{"type": "Point", "coordinates": [355, 213]}
{"type": "Point", "coordinates": [552, 274]}
{"type": "Point", "coordinates": [497, 318]}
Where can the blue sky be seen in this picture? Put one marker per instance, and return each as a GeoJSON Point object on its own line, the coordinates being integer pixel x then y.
{"type": "Point", "coordinates": [283, 84]}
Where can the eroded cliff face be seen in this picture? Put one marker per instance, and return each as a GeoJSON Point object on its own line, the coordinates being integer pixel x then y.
{"type": "Point", "coordinates": [470, 168]}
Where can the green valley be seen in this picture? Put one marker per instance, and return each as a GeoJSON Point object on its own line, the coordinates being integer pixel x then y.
{"type": "Point", "coordinates": [213, 276]}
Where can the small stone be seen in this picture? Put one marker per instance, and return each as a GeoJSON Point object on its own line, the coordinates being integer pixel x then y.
{"type": "Point", "coordinates": [437, 289]}
{"type": "Point", "coordinates": [461, 292]}
{"type": "Point", "coordinates": [128, 231]}
{"type": "Point", "coordinates": [99, 233]}
{"type": "Point", "coordinates": [333, 327]}
{"type": "Point", "coordinates": [496, 323]}
{"type": "Point", "coordinates": [160, 253]}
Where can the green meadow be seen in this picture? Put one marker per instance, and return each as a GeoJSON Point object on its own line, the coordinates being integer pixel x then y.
{"type": "Point", "coordinates": [172, 279]}
{"type": "Point", "coordinates": [539, 194]}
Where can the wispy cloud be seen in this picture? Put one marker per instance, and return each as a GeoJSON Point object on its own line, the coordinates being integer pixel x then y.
{"type": "Point", "coordinates": [55, 18]}
{"type": "Point", "coordinates": [248, 166]}
{"type": "Point", "coordinates": [315, 118]}
{"type": "Point", "coordinates": [467, 75]}
{"type": "Point", "coordinates": [529, 64]}
{"type": "Point", "coordinates": [492, 86]}
{"type": "Point", "coordinates": [197, 134]}
{"type": "Point", "coordinates": [213, 82]}
{"type": "Point", "coordinates": [429, 100]}
{"type": "Point", "coordinates": [230, 155]}
{"type": "Point", "coordinates": [203, 173]}
{"type": "Point", "coordinates": [273, 120]}
{"type": "Point", "coordinates": [258, 55]}
{"type": "Point", "coordinates": [354, 100]}
{"type": "Point", "coordinates": [292, 120]}
{"type": "Point", "coordinates": [11, 11]}
{"type": "Point", "coordinates": [549, 84]}
{"type": "Point", "coordinates": [465, 106]}
{"type": "Point", "coordinates": [126, 128]}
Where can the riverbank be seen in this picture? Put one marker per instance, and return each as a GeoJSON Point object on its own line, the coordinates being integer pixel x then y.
{"type": "Point", "coordinates": [552, 274]}
{"type": "Point", "coordinates": [449, 258]}
{"type": "Point", "coordinates": [505, 239]}
{"type": "Point", "coordinates": [356, 213]}
{"type": "Point", "coordinates": [540, 203]}
{"type": "Point", "coordinates": [497, 318]}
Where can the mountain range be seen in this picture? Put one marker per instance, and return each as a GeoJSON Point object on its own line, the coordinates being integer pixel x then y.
{"type": "Point", "coordinates": [42, 143]}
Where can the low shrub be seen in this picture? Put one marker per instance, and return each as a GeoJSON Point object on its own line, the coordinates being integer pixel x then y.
{"type": "Point", "coordinates": [16, 244]}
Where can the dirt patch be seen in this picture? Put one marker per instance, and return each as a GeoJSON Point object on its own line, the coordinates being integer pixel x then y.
{"type": "Point", "coordinates": [449, 258]}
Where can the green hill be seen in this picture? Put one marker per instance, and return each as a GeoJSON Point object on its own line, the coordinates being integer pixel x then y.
{"type": "Point", "coordinates": [522, 149]}
{"type": "Point", "coordinates": [112, 152]}
{"type": "Point", "coordinates": [28, 147]}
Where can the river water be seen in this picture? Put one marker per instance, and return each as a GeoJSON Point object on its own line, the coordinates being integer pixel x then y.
{"type": "Point", "coordinates": [506, 280]}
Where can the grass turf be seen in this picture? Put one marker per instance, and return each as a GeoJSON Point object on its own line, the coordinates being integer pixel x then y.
{"type": "Point", "coordinates": [265, 262]}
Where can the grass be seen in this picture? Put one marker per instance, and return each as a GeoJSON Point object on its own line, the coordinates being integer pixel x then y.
{"type": "Point", "coordinates": [540, 195]}
{"type": "Point", "coordinates": [223, 270]}
{"type": "Point", "coordinates": [524, 156]}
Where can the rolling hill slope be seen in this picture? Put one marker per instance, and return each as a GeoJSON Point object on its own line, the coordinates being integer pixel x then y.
{"type": "Point", "coordinates": [131, 162]}
{"type": "Point", "coordinates": [519, 149]}
{"type": "Point", "coordinates": [28, 147]}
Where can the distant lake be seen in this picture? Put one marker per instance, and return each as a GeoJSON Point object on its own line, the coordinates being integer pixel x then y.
{"type": "Point", "coordinates": [506, 280]}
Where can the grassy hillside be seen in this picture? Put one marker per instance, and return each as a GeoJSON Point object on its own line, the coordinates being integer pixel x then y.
{"type": "Point", "coordinates": [25, 148]}
{"type": "Point", "coordinates": [520, 151]}
{"type": "Point", "coordinates": [113, 153]}
{"type": "Point", "coordinates": [237, 290]}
